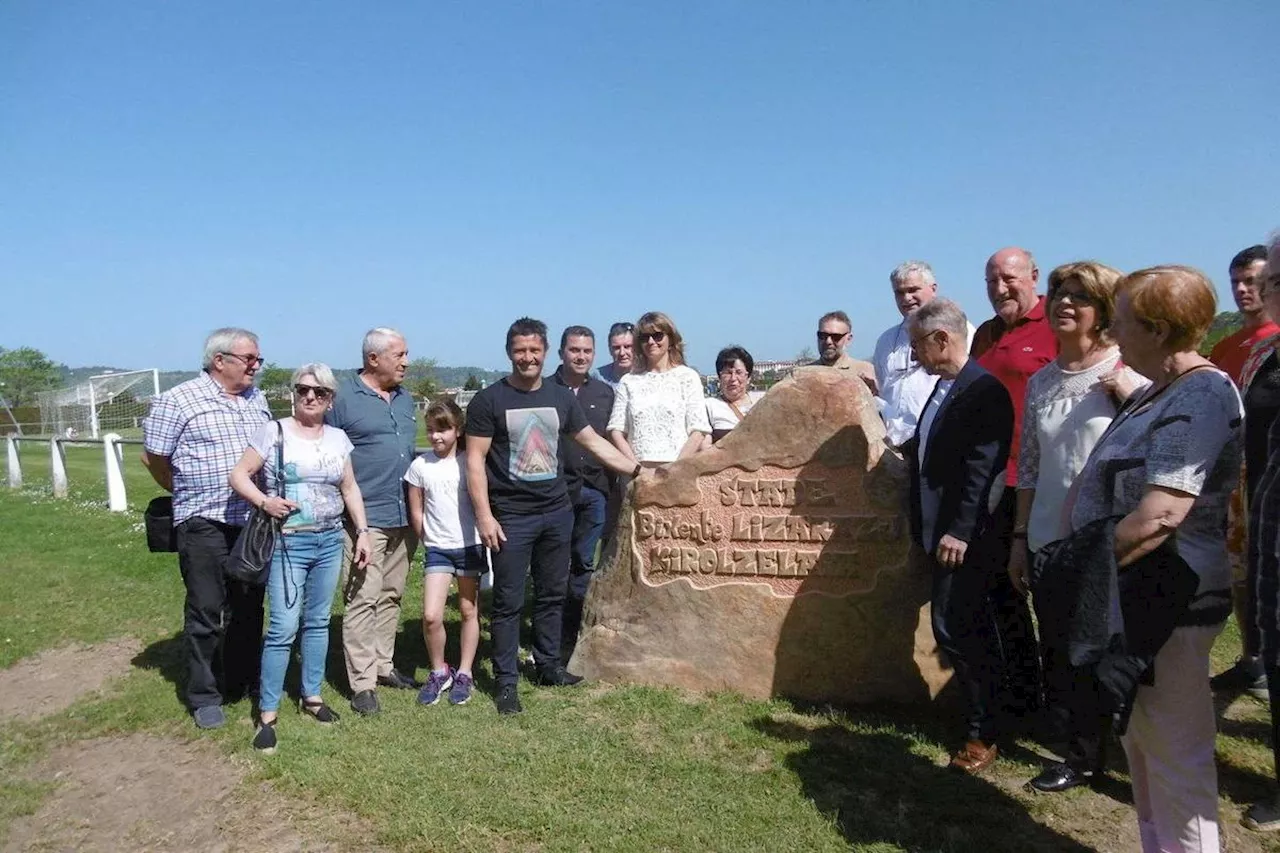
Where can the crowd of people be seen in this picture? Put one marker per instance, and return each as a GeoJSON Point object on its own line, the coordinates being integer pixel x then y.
{"type": "Point", "coordinates": [1073, 455]}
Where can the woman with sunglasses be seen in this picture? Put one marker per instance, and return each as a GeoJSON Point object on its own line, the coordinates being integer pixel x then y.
{"type": "Point", "coordinates": [318, 487]}
{"type": "Point", "coordinates": [1070, 403]}
{"type": "Point", "coordinates": [659, 410]}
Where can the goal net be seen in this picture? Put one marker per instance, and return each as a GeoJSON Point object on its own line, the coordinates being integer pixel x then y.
{"type": "Point", "coordinates": [110, 402]}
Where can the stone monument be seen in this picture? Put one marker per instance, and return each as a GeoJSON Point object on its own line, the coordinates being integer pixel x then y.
{"type": "Point", "coordinates": [777, 563]}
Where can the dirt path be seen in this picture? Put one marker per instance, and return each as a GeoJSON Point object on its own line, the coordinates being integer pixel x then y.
{"type": "Point", "coordinates": [143, 792]}
{"type": "Point", "coordinates": [51, 681]}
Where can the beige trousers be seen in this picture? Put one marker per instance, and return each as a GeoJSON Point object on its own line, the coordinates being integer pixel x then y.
{"type": "Point", "coordinates": [1170, 745]}
{"type": "Point", "coordinates": [372, 596]}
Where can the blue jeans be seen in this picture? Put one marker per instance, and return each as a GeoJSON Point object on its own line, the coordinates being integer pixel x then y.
{"type": "Point", "coordinates": [538, 543]}
{"type": "Point", "coordinates": [304, 575]}
{"type": "Point", "coordinates": [588, 525]}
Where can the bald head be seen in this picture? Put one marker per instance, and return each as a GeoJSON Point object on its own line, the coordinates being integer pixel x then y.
{"type": "Point", "coordinates": [1012, 277]}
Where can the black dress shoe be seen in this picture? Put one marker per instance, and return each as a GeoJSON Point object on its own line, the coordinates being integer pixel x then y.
{"type": "Point", "coordinates": [1060, 777]}
{"type": "Point", "coordinates": [508, 701]}
{"type": "Point", "coordinates": [557, 676]}
{"type": "Point", "coordinates": [398, 680]}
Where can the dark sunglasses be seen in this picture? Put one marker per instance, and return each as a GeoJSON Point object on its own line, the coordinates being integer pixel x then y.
{"type": "Point", "coordinates": [1077, 297]}
{"type": "Point", "coordinates": [321, 392]}
{"type": "Point", "coordinates": [831, 336]}
{"type": "Point", "coordinates": [656, 337]}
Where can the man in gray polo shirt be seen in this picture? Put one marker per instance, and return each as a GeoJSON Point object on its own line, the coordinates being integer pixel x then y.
{"type": "Point", "coordinates": [378, 416]}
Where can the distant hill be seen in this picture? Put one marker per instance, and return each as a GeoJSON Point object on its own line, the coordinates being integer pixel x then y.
{"type": "Point", "coordinates": [1224, 324]}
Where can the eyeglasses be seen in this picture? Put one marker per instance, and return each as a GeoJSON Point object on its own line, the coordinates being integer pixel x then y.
{"type": "Point", "coordinates": [320, 391]}
{"type": "Point", "coordinates": [1079, 297]}
{"type": "Point", "coordinates": [920, 339]}
{"type": "Point", "coordinates": [734, 373]}
{"type": "Point", "coordinates": [249, 360]}
{"type": "Point", "coordinates": [656, 337]}
{"type": "Point", "coordinates": [831, 336]}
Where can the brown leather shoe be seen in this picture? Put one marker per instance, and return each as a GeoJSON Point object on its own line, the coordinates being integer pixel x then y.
{"type": "Point", "coordinates": [975, 756]}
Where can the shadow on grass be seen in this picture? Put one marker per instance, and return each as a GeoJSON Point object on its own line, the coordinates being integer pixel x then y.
{"type": "Point", "coordinates": [167, 656]}
{"type": "Point", "coordinates": [410, 655]}
{"type": "Point", "coordinates": [877, 791]}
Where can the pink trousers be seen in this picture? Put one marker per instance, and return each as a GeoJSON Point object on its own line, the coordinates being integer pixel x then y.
{"type": "Point", "coordinates": [1170, 749]}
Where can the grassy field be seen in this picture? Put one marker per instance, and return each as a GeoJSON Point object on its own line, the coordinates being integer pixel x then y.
{"type": "Point", "coordinates": [595, 768]}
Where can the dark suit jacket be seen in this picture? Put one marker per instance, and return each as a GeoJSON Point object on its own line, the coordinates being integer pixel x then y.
{"type": "Point", "coordinates": [964, 458]}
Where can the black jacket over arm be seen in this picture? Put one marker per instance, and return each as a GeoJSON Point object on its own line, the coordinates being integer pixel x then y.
{"type": "Point", "coordinates": [964, 459]}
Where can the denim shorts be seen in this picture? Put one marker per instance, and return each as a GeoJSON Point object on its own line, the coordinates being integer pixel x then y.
{"type": "Point", "coordinates": [469, 562]}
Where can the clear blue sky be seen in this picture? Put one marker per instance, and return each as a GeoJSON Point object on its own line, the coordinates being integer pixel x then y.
{"type": "Point", "coordinates": [313, 169]}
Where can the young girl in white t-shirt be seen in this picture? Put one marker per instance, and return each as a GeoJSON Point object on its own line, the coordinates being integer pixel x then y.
{"type": "Point", "coordinates": [441, 513]}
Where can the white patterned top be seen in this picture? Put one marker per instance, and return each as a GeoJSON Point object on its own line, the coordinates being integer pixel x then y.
{"type": "Point", "coordinates": [658, 411]}
{"type": "Point", "coordinates": [1067, 412]}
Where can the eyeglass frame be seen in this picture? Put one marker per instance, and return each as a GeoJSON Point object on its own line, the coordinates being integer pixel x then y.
{"type": "Point", "coordinates": [247, 360]}
{"type": "Point", "coordinates": [1077, 298]}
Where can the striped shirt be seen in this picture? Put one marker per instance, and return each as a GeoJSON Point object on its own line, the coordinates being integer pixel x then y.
{"type": "Point", "coordinates": [203, 431]}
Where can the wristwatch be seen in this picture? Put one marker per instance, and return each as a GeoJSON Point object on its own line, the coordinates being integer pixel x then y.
{"type": "Point", "coordinates": [636, 472]}
{"type": "Point", "coordinates": [360, 530]}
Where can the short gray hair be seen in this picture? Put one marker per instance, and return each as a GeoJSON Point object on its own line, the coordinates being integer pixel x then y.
{"type": "Point", "coordinates": [224, 340]}
{"type": "Point", "coordinates": [317, 369]}
{"type": "Point", "coordinates": [378, 340]}
{"type": "Point", "coordinates": [906, 268]}
{"type": "Point", "coordinates": [941, 313]}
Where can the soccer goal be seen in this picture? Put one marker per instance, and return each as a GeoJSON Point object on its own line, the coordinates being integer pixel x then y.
{"type": "Point", "coordinates": [109, 402]}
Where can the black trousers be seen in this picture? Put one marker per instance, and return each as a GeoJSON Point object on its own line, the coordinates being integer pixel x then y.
{"type": "Point", "coordinates": [1073, 705]}
{"type": "Point", "coordinates": [1022, 680]}
{"type": "Point", "coordinates": [537, 544]}
{"type": "Point", "coordinates": [964, 627]}
{"type": "Point", "coordinates": [222, 618]}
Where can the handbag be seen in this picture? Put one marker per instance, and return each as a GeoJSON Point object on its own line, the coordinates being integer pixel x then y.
{"type": "Point", "coordinates": [158, 520]}
{"type": "Point", "coordinates": [250, 558]}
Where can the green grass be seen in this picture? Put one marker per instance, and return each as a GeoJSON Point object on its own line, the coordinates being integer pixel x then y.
{"type": "Point", "coordinates": [594, 768]}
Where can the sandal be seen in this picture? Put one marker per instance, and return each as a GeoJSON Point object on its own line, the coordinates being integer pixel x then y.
{"type": "Point", "coordinates": [318, 711]}
{"type": "Point", "coordinates": [264, 739]}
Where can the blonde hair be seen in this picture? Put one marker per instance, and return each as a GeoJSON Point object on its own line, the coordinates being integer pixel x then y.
{"type": "Point", "coordinates": [1099, 282]}
{"type": "Point", "coordinates": [656, 321]}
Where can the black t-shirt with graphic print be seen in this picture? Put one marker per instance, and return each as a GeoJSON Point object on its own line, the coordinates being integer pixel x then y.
{"type": "Point", "coordinates": [523, 464]}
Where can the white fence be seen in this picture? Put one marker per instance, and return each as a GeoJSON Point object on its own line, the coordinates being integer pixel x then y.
{"type": "Point", "coordinates": [112, 457]}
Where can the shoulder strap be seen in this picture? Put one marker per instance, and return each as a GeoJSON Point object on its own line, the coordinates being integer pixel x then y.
{"type": "Point", "coordinates": [733, 406]}
{"type": "Point", "coordinates": [280, 458]}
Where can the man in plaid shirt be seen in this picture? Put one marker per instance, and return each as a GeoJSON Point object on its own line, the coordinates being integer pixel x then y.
{"type": "Point", "coordinates": [193, 437]}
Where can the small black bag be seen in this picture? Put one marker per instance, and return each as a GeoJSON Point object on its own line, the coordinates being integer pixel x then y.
{"type": "Point", "coordinates": [250, 558]}
{"type": "Point", "coordinates": [162, 538]}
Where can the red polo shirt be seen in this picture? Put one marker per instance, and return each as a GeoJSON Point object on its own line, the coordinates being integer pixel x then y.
{"type": "Point", "coordinates": [1230, 353]}
{"type": "Point", "coordinates": [1012, 354]}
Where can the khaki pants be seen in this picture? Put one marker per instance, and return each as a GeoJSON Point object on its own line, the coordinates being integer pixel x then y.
{"type": "Point", "coordinates": [372, 596]}
{"type": "Point", "coordinates": [1170, 745]}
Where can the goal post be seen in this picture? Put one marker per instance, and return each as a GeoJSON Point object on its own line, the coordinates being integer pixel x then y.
{"type": "Point", "coordinates": [108, 402]}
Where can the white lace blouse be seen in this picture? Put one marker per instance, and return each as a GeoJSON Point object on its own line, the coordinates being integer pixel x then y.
{"type": "Point", "coordinates": [658, 411]}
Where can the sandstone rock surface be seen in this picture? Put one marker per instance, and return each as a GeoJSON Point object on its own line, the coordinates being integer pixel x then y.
{"type": "Point", "coordinates": [777, 563]}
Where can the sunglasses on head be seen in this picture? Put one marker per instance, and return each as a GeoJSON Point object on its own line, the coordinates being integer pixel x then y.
{"type": "Point", "coordinates": [320, 391]}
{"type": "Point", "coordinates": [656, 336]}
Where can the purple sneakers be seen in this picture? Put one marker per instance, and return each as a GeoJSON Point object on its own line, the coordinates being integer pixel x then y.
{"type": "Point", "coordinates": [461, 692]}
{"type": "Point", "coordinates": [437, 683]}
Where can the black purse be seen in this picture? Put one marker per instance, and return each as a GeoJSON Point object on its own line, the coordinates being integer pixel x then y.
{"type": "Point", "coordinates": [250, 558]}
{"type": "Point", "coordinates": [158, 519]}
